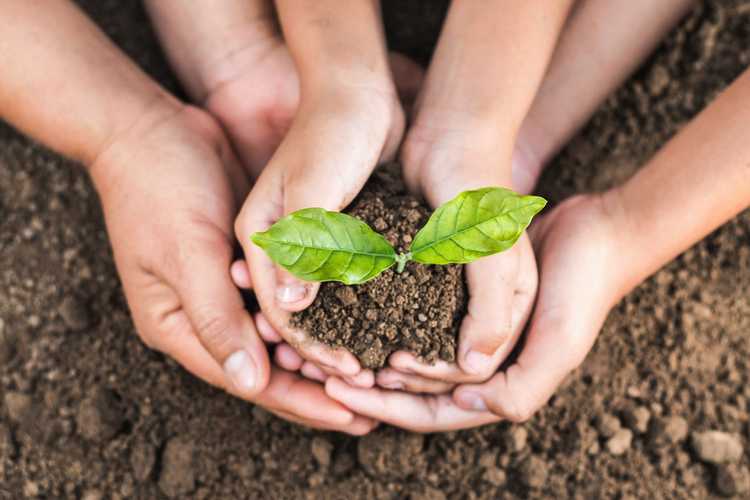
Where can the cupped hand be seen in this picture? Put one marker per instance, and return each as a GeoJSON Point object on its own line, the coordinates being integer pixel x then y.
{"type": "Point", "coordinates": [170, 187]}
{"type": "Point", "coordinates": [439, 162]}
{"type": "Point", "coordinates": [580, 280]}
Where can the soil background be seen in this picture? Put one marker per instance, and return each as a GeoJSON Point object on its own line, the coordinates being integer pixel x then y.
{"type": "Point", "coordinates": [89, 412]}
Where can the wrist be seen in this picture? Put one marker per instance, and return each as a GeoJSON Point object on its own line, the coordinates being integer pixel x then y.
{"type": "Point", "coordinates": [132, 142]}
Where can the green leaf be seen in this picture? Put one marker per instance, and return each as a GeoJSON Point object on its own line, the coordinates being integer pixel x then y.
{"type": "Point", "coordinates": [474, 224]}
{"type": "Point", "coordinates": [317, 245]}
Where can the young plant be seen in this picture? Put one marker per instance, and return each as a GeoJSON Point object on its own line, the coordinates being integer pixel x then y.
{"type": "Point", "coordinates": [317, 245]}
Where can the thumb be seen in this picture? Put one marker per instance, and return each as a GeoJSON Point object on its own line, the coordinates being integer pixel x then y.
{"type": "Point", "coordinates": [222, 324]}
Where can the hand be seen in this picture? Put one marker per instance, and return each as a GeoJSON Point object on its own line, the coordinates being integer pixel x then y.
{"type": "Point", "coordinates": [169, 188]}
{"type": "Point", "coordinates": [349, 120]}
{"type": "Point", "coordinates": [440, 162]}
{"type": "Point", "coordinates": [580, 280]}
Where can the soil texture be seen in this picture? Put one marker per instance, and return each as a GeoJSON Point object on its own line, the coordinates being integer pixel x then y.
{"type": "Point", "coordinates": [660, 409]}
{"type": "Point", "coordinates": [418, 310]}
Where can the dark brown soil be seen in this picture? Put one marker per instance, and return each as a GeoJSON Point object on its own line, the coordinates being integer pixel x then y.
{"type": "Point", "coordinates": [418, 310]}
{"type": "Point", "coordinates": [87, 412]}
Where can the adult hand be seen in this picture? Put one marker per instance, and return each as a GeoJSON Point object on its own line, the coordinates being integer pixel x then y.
{"type": "Point", "coordinates": [170, 186]}
{"type": "Point", "coordinates": [580, 280]}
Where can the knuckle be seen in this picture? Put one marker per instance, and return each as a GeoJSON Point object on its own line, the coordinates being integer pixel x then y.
{"type": "Point", "coordinates": [214, 330]}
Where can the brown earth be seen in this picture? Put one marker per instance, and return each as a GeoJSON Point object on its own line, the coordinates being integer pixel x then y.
{"type": "Point", "coordinates": [418, 310]}
{"type": "Point", "coordinates": [89, 412]}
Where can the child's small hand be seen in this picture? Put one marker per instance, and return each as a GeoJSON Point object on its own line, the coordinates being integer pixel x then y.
{"type": "Point", "coordinates": [349, 119]}
{"type": "Point", "coordinates": [580, 280]}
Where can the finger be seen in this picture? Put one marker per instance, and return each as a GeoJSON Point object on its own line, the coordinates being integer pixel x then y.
{"type": "Point", "coordinates": [258, 213]}
{"type": "Point", "coordinates": [409, 411]}
{"type": "Point", "coordinates": [218, 316]}
{"type": "Point", "coordinates": [398, 381]}
{"type": "Point", "coordinates": [311, 371]}
{"type": "Point", "coordinates": [364, 379]}
{"type": "Point", "coordinates": [359, 426]}
{"type": "Point", "coordinates": [266, 331]}
{"type": "Point", "coordinates": [553, 348]}
{"type": "Point", "coordinates": [240, 274]}
{"type": "Point", "coordinates": [487, 324]}
{"type": "Point", "coordinates": [287, 358]}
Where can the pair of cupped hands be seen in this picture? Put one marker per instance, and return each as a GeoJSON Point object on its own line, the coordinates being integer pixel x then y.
{"type": "Point", "coordinates": [274, 134]}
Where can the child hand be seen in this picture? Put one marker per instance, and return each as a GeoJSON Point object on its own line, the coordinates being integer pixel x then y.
{"type": "Point", "coordinates": [349, 120]}
{"type": "Point", "coordinates": [579, 282]}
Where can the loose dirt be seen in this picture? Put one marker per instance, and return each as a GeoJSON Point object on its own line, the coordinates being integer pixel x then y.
{"type": "Point", "coordinates": [418, 310]}
{"type": "Point", "coordinates": [86, 411]}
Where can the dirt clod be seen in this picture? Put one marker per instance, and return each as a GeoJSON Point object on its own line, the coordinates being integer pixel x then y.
{"type": "Point", "coordinates": [100, 416]}
{"type": "Point", "coordinates": [637, 418]}
{"type": "Point", "coordinates": [607, 425]}
{"type": "Point", "coordinates": [390, 453]}
{"type": "Point", "coordinates": [619, 443]}
{"type": "Point", "coordinates": [321, 449]}
{"type": "Point", "coordinates": [667, 431]}
{"type": "Point", "coordinates": [517, 437]}
{"type": "Point", "coordinates": [7, 444]}
{"type": "Point", "coordinates": [75, 313]}
{"type": "Point", "coordinates": [17, 404]}
{"type": "Point", "coordinates": [177, 474]}
{"type": "Point", "coordinates": [716, 447]}
{"type": "Point", "coordinates": [418, 310]}
{"type": "Point", "coordinates": [142, 460]}
{"type": "Point", "coordinates": [533, 472]}
{"type": "Point", "coordinates": [732, 480]}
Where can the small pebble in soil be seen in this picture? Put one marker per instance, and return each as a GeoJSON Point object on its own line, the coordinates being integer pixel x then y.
{"type": "Point", "coordinates": [177, 476]}
{"type": "Point", "coordinates": [390, 453]}
{"type": "Point", "coordinates": [517, 437]}
{"type": "Point", "coordinates": [637, 418]}
{"type": "Point", "coordinates": [716, 447]}
{"type": "Point", "coordinates": [607, 425]}
{"type": "Point", "coordinates": [321, 450]}
{"type": "Point", "coordinates": [92, 495]}
{"type": "Point", "coordinates": [620, 442]}
{"type": "Point", "coordinates": [142, 460]}
{"type": "Point", "coordinates": [17, 405]}
{"type": "Point", "coordinates": [732, 480]}
{"type": "Point", "coordinates": [75, 313]}
{"type": "Point", "coordinates": [100, 415]}
{"type": "Point", "coordinates": [533, 472]}
{"type": "Point", "coordinates": [495, 476]}
{"type": "Point", "coordinates": [665, 431]}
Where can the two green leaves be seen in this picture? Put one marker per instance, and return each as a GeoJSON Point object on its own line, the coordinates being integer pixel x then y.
{"type": "Point", "coordinates": [317, 245]}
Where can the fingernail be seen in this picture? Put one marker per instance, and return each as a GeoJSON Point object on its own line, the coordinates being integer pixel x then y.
{"type": "Point", "coordinates": [478, 362]}
{"type": "Point", "coordinates": [291, 293]}
{"type": "Point", "coordinates": [473, 400]}
{"type": "Point", "coordinates": [241, 370]}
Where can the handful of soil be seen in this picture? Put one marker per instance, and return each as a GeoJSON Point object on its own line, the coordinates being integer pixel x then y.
{"type": "Point", "coordinates": [419, 310]}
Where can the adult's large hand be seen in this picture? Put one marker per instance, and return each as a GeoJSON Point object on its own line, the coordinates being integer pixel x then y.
{"type": "Point", "coordinates": [577, 248]}
{"type": "Point", "coordinates": [170, 187]}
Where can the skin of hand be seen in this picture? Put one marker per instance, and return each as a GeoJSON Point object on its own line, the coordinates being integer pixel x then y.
{"type": "Point", "coordinates": [173, 245]}
{"type": "Point", "coordinates": [234, 62]}
{"type": "Point", "coordinates": [349, 119]}
{"type": "Point", "coordinates": [590, 251]}
{"type": "Point", "coordinates": [169, 186]}
{"type": "Point", "coordinates": [576, 246]}
{"type": "Point", "coordinates": [462, 138]}
{"type": "Point", "coordinates": [242, 72]}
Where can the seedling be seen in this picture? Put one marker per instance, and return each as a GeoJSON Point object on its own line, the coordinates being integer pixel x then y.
{"type": "Point", "coordinates": [317, 245]}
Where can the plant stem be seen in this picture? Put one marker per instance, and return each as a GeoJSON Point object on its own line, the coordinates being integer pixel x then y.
{"type": "Point", "coordinates": [401, 260]}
